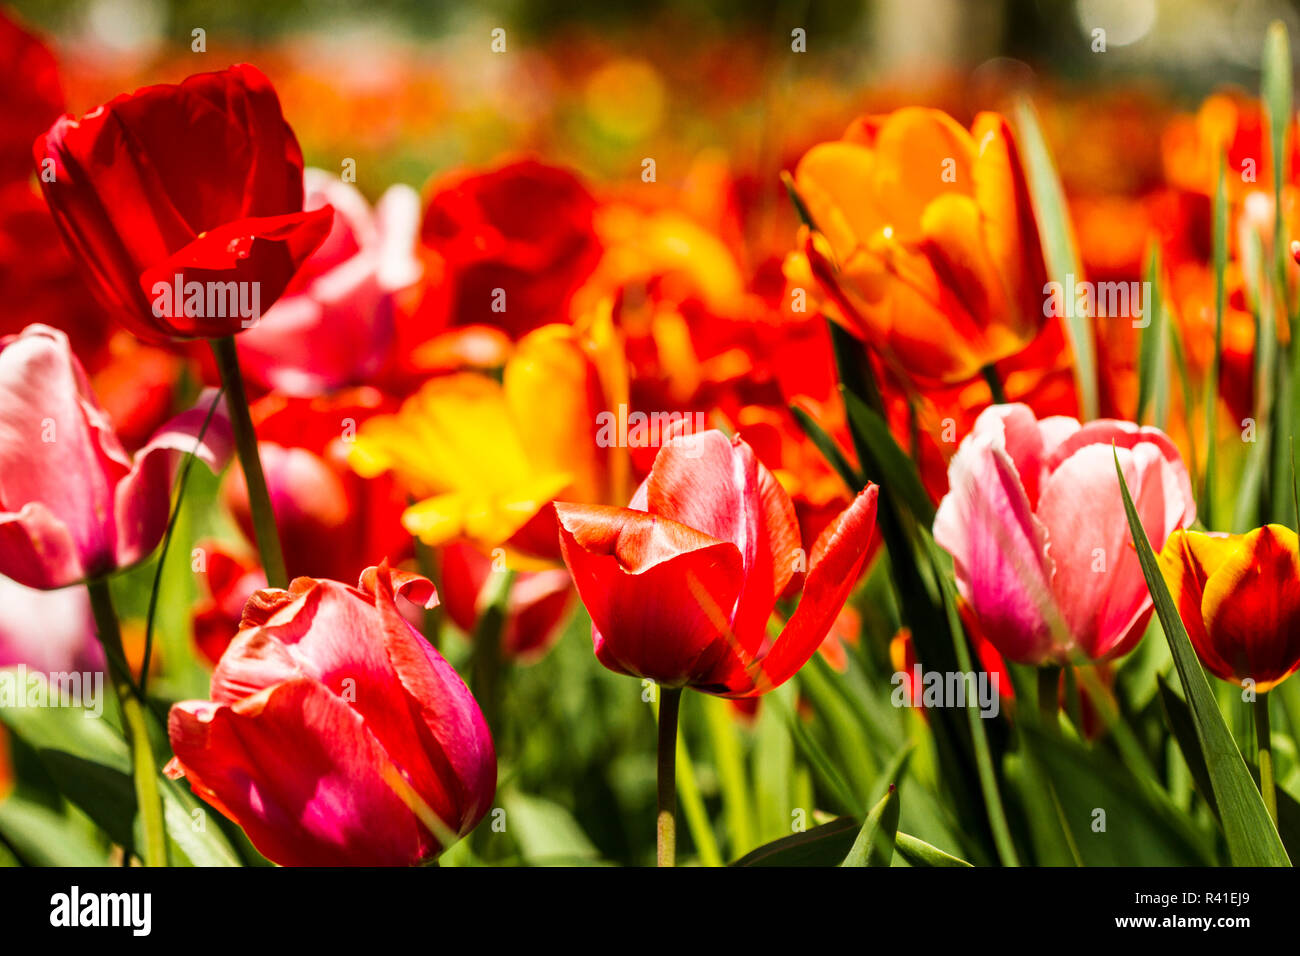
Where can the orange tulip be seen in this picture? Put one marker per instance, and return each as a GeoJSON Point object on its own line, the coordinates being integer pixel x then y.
{"type": "Point", "coordinates": [1239, 598]}
{"type": "Point", "coordinates": [926, 241]}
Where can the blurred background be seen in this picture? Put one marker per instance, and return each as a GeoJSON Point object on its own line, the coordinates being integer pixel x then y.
{"type": "Point", "coordinates": [409, 88]}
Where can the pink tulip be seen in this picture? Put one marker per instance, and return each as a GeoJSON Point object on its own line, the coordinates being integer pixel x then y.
{"type": "Point", "coordinates": [334, 325]}
{"type": "Point", "coordinates": [1035, 524]}
{"type": "Point", "coordinates": [336, 735]}
{"type": "Point", "coordinates": [73, 503]}
{"type": "Point", "coordinates": [49, 631]}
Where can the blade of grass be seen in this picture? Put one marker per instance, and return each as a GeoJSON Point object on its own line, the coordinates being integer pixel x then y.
{"type": "Point", "coordinates": [919, 853]}
{"type": "Point", "coordinates": [983, 758]}
{"type": "Point", "coordinates": [875, 843]}
{"type": "Point", "coordinates": [730, 767]}
{"type": "Point", "coordinates": [1059, 251]}
{"type": "Point", "coordinates": [1153, 359]}
{"type": "Point", "coordinates": [897, 471]}
{"type": "Point", "coordinates": [1206, 503]}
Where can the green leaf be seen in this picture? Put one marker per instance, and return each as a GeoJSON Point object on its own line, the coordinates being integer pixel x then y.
{"type": "Point", "coordinates": [1252, 838]}
{"type": "Point", "coordinates": [825, 845]}
{"type": "Point", "coordinates": [875, 843]}
{"type": "Point", "coordinates": [1179, 720]}
{"type": "Point", "coordinates": [997, 814]}
{"type": "Point", "coordinates": [38, 826]}
{"type": "Point", "coordinates": [893, 468]}
{"type": "Point", "coordinates": [546, 832]}
{"type": "Point", "coordinates": [90, 763]}
{"type": "Point", "coordinates": [825, 444]}
{"type": "Point", "coordinates": [1212, 379]}
{"type": "Point", "coordinates": [1059, 251]}
{"type": "Point", "coordinates": [1153, 360]}
{"type": "Point", "coordinates": [1134, 829]}
{"type": "Point", "coordinates": [919, 853]}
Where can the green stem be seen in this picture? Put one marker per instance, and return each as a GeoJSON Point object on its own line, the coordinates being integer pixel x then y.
{"type": "Point", "coordinates": [666, 825]}
{"type": "Point", "coordinates": [143, 768]}
{"type": "Point", "coordinates": [990, 374]}
{"type": "Point", "coordinates": [1267, 788]}
{"type": "Point", "coordinates": [487, 661]}
{"type": "Point", "coordinates": [259, 500]}
{"type": "Point", "coordinates": [1049, 695]}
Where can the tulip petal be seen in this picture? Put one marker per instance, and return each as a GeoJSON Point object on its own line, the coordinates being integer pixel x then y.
{"type": "Point", "coordinates": [259, 256]}
{"type": "Point", "coordinates": [717, 486]}
{"type": "Point", "coordinates": [416, 588]}
{"type": "Point", "coordinates": [451, 730]}
{"type": "Point", "coordinates": [37, 550]}
{"type": "Point", "coordinates": [1251, 609]}
{"type": "Point", "coordinates": [1098, 584]}
{"type": "Point", "coordinates": [1007, 219]}
{"type": "Point", "coordinates": [998, 545]}
{"type": "Point", "coordinates": [837, 562]}
{"type": "Point", "coordinates": [913, 147]}
{"type": "Point", "coordinates": [302, 773]}
{"type": "Point", "coordinates": [1186, 561]}
{"type": "Point", "coordinates": [1181, 509]}
{"type": "Point", "coordinates": [58, 451]}
{"type": "Point", "coordinates": [661, 595]}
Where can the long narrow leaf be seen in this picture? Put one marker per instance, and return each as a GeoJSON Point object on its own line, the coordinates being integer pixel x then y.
{"type": "Point", "coordinates": [1252, 838]}
{"type": "Point", "coordinates": [919, 853]}
{"type": "Point", "coordinates": [897, 472]}
{"type": "Point", "coordinates": [875, 843]}
{"type": "Point", "coordinates": [1058, 249]}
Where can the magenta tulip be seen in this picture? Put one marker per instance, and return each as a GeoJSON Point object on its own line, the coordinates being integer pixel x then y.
{"type": "Point", "coordinates": [73, 504]}
{"type": "Point", "coordinates": [1035, 524]}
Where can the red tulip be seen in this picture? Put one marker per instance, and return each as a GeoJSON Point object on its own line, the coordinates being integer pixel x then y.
{"type": "Point", "coordinates": [73, 504]}
{"type": "Point", "coordinates": [33, 97]}
{"type": "Point", "coordinates": [680, 584]}
{"type": "Point", "coordinates": [201, 182]}
{"type": "Point", "coordinates": [525, 229]}
{"type": "Point", "coordinates": [336, 735]}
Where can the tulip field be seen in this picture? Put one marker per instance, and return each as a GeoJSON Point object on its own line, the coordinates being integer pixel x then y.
{"type": "Point", "coordinates": [526, 435]}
